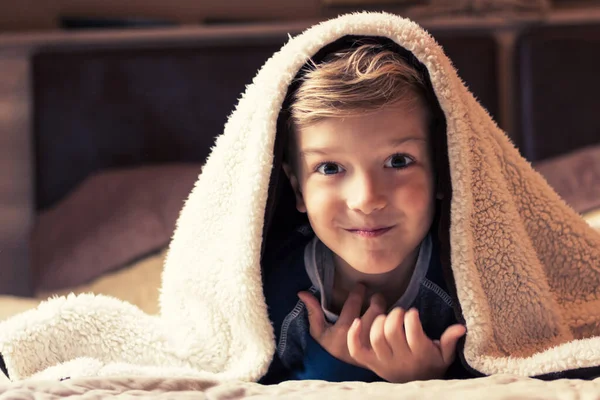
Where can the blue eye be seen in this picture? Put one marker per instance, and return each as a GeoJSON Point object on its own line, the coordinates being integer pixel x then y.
{"type": "Point", "coordinates": [329, 168]}
{"type": "Point", "coordinates": [399, 161]}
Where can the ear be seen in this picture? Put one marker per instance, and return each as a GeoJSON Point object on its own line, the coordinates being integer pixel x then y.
{"type": "Point", "coordinates": [300, 206]}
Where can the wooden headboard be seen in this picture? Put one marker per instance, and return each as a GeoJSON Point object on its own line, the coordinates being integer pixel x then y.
{"type": "Point", "coordinates": [74, 104]}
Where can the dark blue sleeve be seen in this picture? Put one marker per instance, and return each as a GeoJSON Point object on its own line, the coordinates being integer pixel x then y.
{"type": "Point", "coordinates": [320, 365]}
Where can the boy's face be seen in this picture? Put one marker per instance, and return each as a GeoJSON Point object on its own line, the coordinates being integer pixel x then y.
{"type": "Point", "coordinates": [367, 185]}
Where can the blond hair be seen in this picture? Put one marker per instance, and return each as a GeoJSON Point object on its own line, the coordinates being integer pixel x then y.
{"type": "Point", "coordinates": [354, 81]}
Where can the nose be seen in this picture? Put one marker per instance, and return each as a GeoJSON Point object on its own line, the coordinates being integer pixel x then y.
{"type": "Point", "coordinates": [366, 193]}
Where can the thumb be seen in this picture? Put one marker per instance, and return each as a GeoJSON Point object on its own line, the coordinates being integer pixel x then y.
{"type": "Point", "coordinates": [449, 340]}
{"type": "Point", "coordinates": [316, 319]}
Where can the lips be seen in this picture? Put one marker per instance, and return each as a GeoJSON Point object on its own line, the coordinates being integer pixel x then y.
{"type": "Point", "coordinates": [370, 232]}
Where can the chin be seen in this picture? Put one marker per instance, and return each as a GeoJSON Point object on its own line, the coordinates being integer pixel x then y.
{"type": "Point", "coordinates": [376, 271]}
{"type": "Point", "coordinates": [375, 266]}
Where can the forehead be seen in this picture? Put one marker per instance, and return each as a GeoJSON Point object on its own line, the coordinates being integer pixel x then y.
{"type": "Point", "coordinates": [398, 123]}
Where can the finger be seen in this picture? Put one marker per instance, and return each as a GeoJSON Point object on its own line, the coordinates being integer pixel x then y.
{"type": "Point", "coordinates": [361, 353]}
{"type": "Point", "coordinates": [394, 332]}
{"type": "Point", "coordinates": [416, 338]}
{"type": "Point", "coordinates": [449, 340]}
{"type": "Point", "coordinates": [379, 342]}
{"type": "Point", "coordinates": [376, 307]}
{"type": "Point", "coordinates": [351, 307]}
{"type": "Point", "coordinates": [316, 318]}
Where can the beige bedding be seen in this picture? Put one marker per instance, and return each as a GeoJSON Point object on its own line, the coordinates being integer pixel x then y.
{"type": "Point", "coordinates": [136, 283]}
{"type": "Point", "coordinates": [492, 388]}
{"type": "Point", "coordinates": [593, 218]}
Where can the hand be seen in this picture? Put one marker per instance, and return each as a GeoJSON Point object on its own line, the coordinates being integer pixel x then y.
{"type": "Point", "coordinates": [333, 337]}
{"type": "Point", "coordinates": [398, 350]}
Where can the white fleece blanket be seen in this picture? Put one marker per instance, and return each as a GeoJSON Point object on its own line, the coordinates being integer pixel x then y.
{"type": "Point", "coordinates": [526, 266]}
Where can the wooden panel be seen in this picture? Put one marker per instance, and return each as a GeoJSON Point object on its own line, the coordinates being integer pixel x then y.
{"type": "Point", "coordinates": [43, 15]}
{"type": "Point", "coordinates": [558, 103]}
{"type": "Point", "coordinates": [16, 206]}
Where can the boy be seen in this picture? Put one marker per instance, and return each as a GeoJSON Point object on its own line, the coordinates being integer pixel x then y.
{"type": "Point", "coordinates": [370, 173]}
{"type": "Point", "coordinates": [361, 160]}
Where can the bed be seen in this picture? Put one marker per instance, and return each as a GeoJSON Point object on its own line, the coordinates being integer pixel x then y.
{"type": "Point", "coordinates": [108, 132]}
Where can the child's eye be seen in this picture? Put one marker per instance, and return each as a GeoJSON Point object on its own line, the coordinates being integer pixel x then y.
{"type": "Point", "coordinates": [329, 168]}
{"type": "Point", "coordinates": [399, 161]}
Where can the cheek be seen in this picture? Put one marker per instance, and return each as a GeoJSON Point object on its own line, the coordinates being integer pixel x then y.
{"type": "Point", "coordinates": [416, 197]}
{"type": "Point", "coordinates": [321, 201]}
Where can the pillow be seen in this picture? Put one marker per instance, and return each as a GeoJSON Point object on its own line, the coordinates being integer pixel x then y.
{"type": "Point", "coordinates": [575, 177]}
{"type": "Point", "coordinates": [111, 219]}
{"type": "Point", "coordinates": [137, 283]}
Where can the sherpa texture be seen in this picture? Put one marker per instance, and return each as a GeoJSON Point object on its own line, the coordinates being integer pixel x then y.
{"type": "Point", "coordinates": [526, 266]}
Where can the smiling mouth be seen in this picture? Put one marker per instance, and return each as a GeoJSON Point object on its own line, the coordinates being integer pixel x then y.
{"type": "Point", "coordinates": [370, 233]}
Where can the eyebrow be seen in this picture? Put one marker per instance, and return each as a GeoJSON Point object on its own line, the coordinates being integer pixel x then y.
{"type": "Point", "coordinates": [328, 150]}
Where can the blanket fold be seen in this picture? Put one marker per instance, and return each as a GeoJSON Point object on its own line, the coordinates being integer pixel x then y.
{"type": "Point", "coordinates": [525, 267]}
